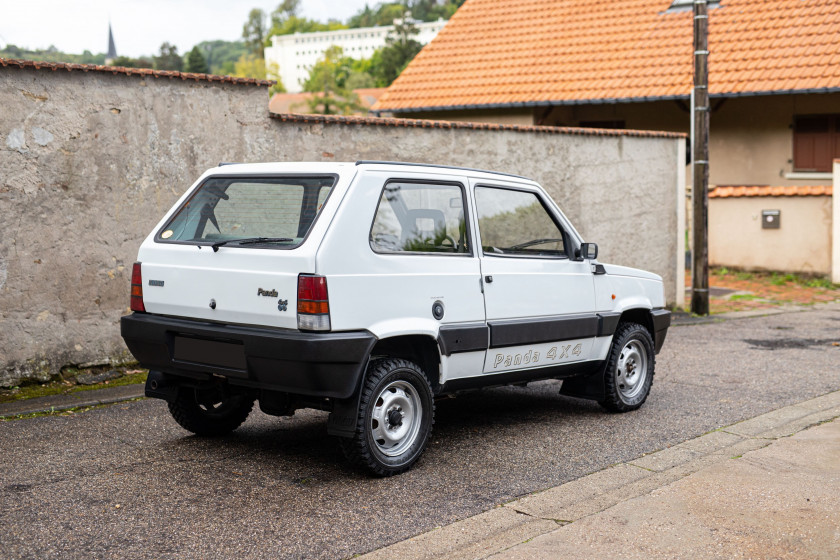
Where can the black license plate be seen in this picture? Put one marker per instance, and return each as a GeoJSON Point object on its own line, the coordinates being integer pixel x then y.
{"type": "Point", "coordinates": [228, 355]}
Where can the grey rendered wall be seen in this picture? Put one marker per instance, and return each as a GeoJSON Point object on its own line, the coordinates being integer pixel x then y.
{"type": "Point", "coordinates": [89, 161]}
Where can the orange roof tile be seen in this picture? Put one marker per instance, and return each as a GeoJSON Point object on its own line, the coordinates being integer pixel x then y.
{"type": "Point", "coordinates": [756, 190]}
{"type": "Point", "coordinates": [513, 52]}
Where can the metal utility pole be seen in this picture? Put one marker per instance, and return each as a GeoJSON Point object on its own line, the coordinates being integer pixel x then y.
{"type": "Point", "coordinates": [700, 161]}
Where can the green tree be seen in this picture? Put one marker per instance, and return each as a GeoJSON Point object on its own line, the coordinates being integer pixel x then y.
{"type": "Point", "coordinates": [387, 13]}
{"type": "Point", "coordinates": [227, 68]}
{"type": "Point", "coordinates": [295, 24]}
{"type": "Point", "coordinates": [328, 81]}
{"type": "Point", "coordinates": [168, 59]}
{"type": "Point", "coordinates": [363, 18]}
{"type": "Point", "coordinates": [421, 10]}
{"type": "Point", "coordinates": [388, 62]}
{"type": "Point", "coordinates": [285, 21]}
{"type": "Point", "coordinates": [196, 62]}
{"type": "Point", "coordinates": [287, 9]}
{"type": "Point", "coordinates": [254, 32]}
{"type": "Point", "coordinates": [51, 55]}
{"type": "Point", "coordinates": [250, 66]}
{"type": "Point", "coordinates": [129, 62]}
{"type": "Point", "coordinates": [222, 56]}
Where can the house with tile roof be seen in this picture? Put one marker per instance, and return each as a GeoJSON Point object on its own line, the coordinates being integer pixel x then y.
{"type": "Point", "coordinates": [774, 77]}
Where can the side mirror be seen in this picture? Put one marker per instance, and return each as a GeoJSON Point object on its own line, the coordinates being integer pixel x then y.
{"type": "Point", "coordinates": [587, 251]}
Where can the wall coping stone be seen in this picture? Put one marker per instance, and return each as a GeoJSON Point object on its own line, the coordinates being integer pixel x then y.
{"type": "Point", "coordinates": [143, 72]}
{"type": "Point", "coordinates": [424, 123]}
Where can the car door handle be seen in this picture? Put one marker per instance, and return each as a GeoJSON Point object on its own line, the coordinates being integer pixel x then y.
{"type": "Point", "coordinates": [488, 279]}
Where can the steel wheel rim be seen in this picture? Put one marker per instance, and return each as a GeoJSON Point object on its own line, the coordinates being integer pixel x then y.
{"type": "Point", "coordinates": [395, 419]}
{"type": "Point", "coordinates": [631, 370]}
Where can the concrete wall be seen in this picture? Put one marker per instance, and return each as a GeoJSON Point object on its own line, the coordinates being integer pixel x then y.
{"type": "Point", "coordinates": [801, 244]}
{"type": "Point", "coordinates": [89, 161]}
{"type": "Point", "coordinates": [835, 225]}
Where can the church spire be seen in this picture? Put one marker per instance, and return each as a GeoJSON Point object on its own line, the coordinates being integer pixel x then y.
{"type": "Point", "coordinates": [112, 48]}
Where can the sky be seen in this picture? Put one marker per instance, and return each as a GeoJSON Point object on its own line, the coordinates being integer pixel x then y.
{"type": "Point", "coordinates": [140, 26]}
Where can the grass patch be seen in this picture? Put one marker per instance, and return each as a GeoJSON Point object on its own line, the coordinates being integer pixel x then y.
{"type": "Point", "coordinates": [744, 297]}
{"type": "Point", "coordinates": [63, 412]}
{"type": "Point", "coordinates": [819, 282]}
{"type": "Point", "coordinates": [63, 387]}
{"type": "Point", "coordinates": [781, 279]}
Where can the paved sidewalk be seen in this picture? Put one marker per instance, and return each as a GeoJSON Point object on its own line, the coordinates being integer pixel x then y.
{"type": "Point", "coordinates": [768, 487]}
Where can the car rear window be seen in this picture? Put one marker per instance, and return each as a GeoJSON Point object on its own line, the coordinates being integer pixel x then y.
{"type": "Point", "coordinates": [265, 211]}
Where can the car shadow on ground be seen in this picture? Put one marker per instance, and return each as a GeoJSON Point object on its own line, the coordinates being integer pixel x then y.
{"type": "Point", "coordinates": [299, 447]}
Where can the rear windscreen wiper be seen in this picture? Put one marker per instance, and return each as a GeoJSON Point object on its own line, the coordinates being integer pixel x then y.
{"type": "Point", "coordinates": [250, 241]}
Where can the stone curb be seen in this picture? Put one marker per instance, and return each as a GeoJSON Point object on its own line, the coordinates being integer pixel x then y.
{"type": "Point", "coordinates": [94, 397]}
{"type": "Point", "coordinates": [681, 319]}
{"type": "Point", "coordinates": [521, 520]}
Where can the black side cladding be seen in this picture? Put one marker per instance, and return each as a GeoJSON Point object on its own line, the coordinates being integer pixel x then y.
{"type": "Point", "coordinates": [473, 337]}
{"type": "Point", "coordinates": [543, 329]}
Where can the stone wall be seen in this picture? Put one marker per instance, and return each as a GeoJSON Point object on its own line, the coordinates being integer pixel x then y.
{"type": "Point", "coordinates": [90, 160]}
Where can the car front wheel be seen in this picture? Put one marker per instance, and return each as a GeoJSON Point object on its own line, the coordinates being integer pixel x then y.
{"type": "Point", "coordinates": [630, 366]}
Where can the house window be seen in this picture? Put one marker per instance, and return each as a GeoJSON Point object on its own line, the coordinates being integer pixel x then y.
{"type": "Point", "coordinates": [816, 142]}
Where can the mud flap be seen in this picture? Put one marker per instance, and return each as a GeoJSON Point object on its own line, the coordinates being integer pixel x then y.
{"type": "Point", "coordinates": [342, 419]}
{"type": "Point", "coordinates": [586, 387]}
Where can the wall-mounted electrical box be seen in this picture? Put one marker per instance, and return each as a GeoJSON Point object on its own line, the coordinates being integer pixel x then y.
{"type": "Point", "coordinates": [771, 219]}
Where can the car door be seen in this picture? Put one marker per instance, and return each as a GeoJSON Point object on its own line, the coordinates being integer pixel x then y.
{"type": "Point", "coordinates": [538, 298]}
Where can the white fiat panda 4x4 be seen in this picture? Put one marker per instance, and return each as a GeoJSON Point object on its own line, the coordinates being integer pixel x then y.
{"type": "Point", "coordinates": [369, 289]}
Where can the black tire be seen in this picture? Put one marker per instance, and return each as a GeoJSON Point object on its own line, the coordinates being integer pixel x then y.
{"type": "Point", "coordinates": [630, 367]}
{"type": "Point", "coordinates": [210, 411]}
{"type": "Point", "coordinates": [392, 387]}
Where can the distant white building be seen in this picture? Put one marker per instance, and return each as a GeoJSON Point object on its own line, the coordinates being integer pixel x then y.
{"type": "Point", "coordinates": [295, 54]}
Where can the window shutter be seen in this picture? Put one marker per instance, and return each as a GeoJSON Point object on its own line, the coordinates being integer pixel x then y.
{"type": "Point", "coordinates": [815, 142]}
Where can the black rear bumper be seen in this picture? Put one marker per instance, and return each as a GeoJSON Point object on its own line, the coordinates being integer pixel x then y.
{"type": "Point", "coordinates": [312, 364]}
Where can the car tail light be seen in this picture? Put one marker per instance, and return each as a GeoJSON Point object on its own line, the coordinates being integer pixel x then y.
{"type": "Point", "coordinates": [137, 289]}
{"type": "Point", "coordinates": [313, 303]}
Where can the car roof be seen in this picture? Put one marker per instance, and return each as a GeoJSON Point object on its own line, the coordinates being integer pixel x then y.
{"type": "Point", "coordinates": [343, 167]}
{"type": "Point", "coordinates": [436, 166]}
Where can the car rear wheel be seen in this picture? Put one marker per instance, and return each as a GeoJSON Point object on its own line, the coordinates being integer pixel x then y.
{"type": "Point", "coordinates": [630, 368]}
{"type": "Point", "coordinates": [210, 411]}
{"type": "Point", "coordinates": [394, 419]}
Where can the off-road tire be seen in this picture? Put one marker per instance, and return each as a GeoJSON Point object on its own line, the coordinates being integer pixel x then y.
{"type": "Point", "coordinates": [230, 411]}
{"type": "Point", "coordinates": [632, 349]}
{"type": "Point", "coordinates": [403, 382]}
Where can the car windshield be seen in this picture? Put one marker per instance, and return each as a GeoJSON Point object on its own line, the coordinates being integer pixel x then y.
{"type": "Point", "coordinates": [271, 211]}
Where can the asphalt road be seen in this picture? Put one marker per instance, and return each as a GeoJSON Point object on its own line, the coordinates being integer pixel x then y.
{"type": "Point", "coordinates": [126, 482]}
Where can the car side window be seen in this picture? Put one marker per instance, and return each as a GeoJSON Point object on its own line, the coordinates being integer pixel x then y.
{"type": "Point", "coordinates": [420, 218]}
{"type": "Point", "coordinates": [513, 222]}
